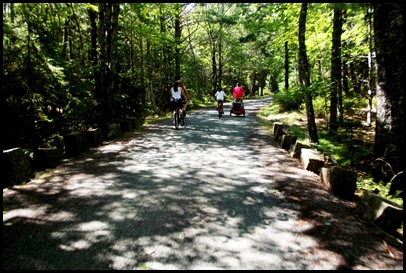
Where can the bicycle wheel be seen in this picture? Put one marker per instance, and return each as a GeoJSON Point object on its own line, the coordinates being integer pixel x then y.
{"type": "Point", "coordinates": [176, 119]}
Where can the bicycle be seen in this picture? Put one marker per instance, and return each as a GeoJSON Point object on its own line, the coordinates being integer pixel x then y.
{"type": "Point", "coordinates": [178, 118]}
{"type": "Point", "coordinates": [220, 108]}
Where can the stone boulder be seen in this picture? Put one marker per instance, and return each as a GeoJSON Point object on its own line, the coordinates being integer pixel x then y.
{"type": "Point", "coordinates": [136, 122]}
{"type": "Point", "coordinates": [114, 130]}
{"type": "Point", "coordinates": [126, 125]}
{"type": "Point", "coordinates": [340, 181]}
{"type": "Point", "coordinates": [381, 211]}
{"type": "Point", "coordinates": [297, 149]}
{"type": "Point", "coordinates": [311, 160]}
{"type": "Point", "coordinates": [278, 130]}
{"type": "Point", "coordinates": [16, 167]}
{"type": "Point", "coordinates": [288, 141]}
{"type": "Point", "coordinates": [75, 144]}
{"type": "Point", "coordinates": [94, 137]}
{"type": "Point", "coordinates": [47, 158]}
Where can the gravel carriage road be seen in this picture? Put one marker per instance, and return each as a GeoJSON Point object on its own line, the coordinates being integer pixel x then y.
{"type": "Point", "coordinates": [201, 197]}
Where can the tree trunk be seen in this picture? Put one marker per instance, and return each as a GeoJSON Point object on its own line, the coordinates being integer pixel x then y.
{"type": "Point", "coordinates": [262, 81]}
{"type": "Point", "coordinates": [340, 109]}
{"type": "Point", "coordinates": [150, 96]}
{"type": "Point", "coordinates": [389, 135]}
{"type": "Point", "coordinates": [108, 28]}
{"type": "Point", "coordinates": [304, 76]}
{"type": "Point", "coordinates": [114, 83]}
{"type": "Point", "coordinates": [81, 46]}
{"type": "Point", "coordinates": [345, 71]}
{"type": "Point", "coordinates": [65, 44]}
{"type": "Point", "coordinates": [93, 50]}
{"type": "Point", "coordinates": [286, 66]}
{"type": "Point", "coordinates": [214, 66]}
{"type": "Point", "coordinates": [252, 87]}
{"type": "Point", "coordinates": [336, 88]}
{"type": "Point", "coordinates": [178, 32]}
{"type": "Point", "coordinates": [220, 77]}
{"type": "Point", "coordinates": [371, 75]}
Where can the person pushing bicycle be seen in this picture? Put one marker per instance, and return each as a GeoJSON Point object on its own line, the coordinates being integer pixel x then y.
{"type": "Point", "coordinates": [238, 93]}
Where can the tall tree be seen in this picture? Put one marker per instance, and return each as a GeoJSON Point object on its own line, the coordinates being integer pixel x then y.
{"type": "Point", "coordinates": [389, 135]}
{"type": "Point", "coordinates": [304, 75]}
{"type": "Point", "coordinates": [213, 32]}
{"type": "Point", "coordinates": [286, 66]}
{"type": "Point", "coordinates": [336, 88]}
{"type": "Point", "coordinates": [178, 34]}
{"type": "Point", "coordinates": [371, 75]}
{"type": "Point", "coordinates": [217, 23]}
{"type": "Point", "coordinates": [107, 35]}
{"type": "Point", "coordinates": [92, 11]}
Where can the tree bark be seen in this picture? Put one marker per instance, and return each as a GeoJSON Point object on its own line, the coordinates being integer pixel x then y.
{"type": "Point", "coordinates": [93, 50]}
{"type": "Point", "coordinates": [340, 109]}
{"type": "Point", "coordinates": [74, 17]}
{"type": "Point", "coordinates": [178, 33]}
{"type": "Point", "coordinates": [371, 76]}
{"type": "Point", "coordinates": [214, 66]}
{"type": "Point", "coordinates": [66, 39]}
{"type": "Point", "coordinates": [389, 134]}
{"type": "Point", "coordinates": [336, 88]}
{"type": "Point", "coordinates": [286, 66]}
{"type": "Point", "coordinates": [345, 71]}
{"type": "Point", "coordinates": [107, 34]}
{"type": "Point", "coordinates": [114, 70]}
{"type": "Point", "coordinates": [304, 76]}
{"type": "Point", "coordinates": [220, 45]}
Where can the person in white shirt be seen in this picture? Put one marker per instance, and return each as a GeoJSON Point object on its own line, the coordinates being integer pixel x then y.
{"type": "Point", "coordinates": [175, 97]}
{"type": "Point", "coordinates": [220, 96]}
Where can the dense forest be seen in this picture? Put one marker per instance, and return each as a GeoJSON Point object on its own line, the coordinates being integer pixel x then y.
{"type": "Point", "coordinates": [69, 67]}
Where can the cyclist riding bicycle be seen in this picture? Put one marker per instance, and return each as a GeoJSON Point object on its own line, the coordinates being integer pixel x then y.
{"type": "Point", "coordinates": [175, 98]}
{"type": "Point", "coordinates": [220, 96]}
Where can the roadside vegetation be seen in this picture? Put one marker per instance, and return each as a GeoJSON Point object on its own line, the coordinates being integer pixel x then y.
{"type": "Point", "coordinates": [351, 147]}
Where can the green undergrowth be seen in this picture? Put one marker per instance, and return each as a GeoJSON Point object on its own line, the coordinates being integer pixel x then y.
{"type": "Point", "coordinates": [347, 149]}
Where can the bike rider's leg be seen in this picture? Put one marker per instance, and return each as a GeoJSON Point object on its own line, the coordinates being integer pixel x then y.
{"type": "Point", "coordinates": [220, 106]}
{"type": "Point", "coordinates": [184, 105]}
{"type": "Point", "coordinates": [175, 109]}
{"type": "Point", "coordinates": [180, 105]}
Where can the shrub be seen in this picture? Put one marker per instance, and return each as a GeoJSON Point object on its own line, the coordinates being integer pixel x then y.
{"type": "Point", "coordinates": [289, 100]}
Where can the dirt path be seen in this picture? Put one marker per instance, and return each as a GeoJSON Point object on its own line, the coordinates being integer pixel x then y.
{"type": "Point", "coordinates": [216, 194]}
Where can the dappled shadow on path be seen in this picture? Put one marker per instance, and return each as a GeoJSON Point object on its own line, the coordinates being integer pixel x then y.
{"type": "Point", "coordinates": [336, 224]}
{"type": "Point", "coordinates": [201, 197]}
